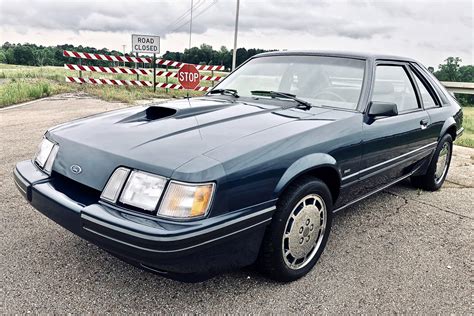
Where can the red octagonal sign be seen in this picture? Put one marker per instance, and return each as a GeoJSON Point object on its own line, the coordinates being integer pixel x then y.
{"type": "Point", "coordinates": [188, 77]}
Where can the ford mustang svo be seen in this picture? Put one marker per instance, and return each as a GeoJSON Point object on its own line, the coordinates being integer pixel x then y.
{"type": "Point", "coordinates": [251, 172]}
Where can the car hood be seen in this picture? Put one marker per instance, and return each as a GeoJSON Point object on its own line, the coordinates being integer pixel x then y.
{"type": "Point", "coordinates": [161, 137]}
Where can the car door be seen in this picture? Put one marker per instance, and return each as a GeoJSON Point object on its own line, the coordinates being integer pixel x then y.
{"type": "Point", "coordinates": [393, 145]}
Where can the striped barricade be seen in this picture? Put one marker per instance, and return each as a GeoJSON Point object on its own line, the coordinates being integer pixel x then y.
{"type": "Point", "coordinates": [131, 59]}
{"type": "Point", "coordinates": [140, 83]}
{"type": "Point", "coordinates": [132, 71]}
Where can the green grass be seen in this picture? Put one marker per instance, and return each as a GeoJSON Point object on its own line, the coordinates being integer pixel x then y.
{"type": "Point", "coordinates": [467, 139]}
{"type": "Point", "coordinates": [24, 83]}
{"type": "Point", "coordinates": [16, 91]}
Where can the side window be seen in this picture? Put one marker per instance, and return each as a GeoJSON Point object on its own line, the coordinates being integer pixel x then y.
{"type": "Point", "coordinates": [428, 101]}
{"type": "Point", "coordinates": [393, 85]}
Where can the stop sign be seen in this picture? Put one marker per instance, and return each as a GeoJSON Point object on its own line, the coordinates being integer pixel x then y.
{"type": "Point", "coordinates": [188, 77]}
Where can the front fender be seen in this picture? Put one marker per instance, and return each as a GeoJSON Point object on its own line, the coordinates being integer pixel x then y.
{"type": "Point", "coordinates": [303, 165]}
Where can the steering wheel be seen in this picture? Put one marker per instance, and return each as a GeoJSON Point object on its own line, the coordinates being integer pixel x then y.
{"type": "Point", "coordinates": [326, 92]}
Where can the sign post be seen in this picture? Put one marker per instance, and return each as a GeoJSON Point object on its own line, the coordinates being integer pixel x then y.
{"type": "Point", "coordinates": [147, 44]}
{"type": "Point", "coordinates": [136, 67]}
{"type": "Point", "coordinates": [188, 77]}
{"type": "Point", "coordinates": [154, 72]}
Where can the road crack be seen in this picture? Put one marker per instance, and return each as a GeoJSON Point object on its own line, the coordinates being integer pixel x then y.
{"type": "Point", "coordinates": [405, 200]}
{"type": "Point", "coordinates": [461, 185]}
{"type": "Point", "coordinates": [424, 203]}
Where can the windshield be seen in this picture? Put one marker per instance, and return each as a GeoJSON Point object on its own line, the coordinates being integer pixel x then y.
{"type": "Point", "coordinates": [320, 80]}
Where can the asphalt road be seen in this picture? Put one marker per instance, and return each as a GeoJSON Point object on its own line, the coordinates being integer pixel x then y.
{"type": "Point", "coordinates": [400, 251]}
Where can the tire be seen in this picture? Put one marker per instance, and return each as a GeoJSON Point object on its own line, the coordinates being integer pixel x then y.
{"type": "Point", "coordinates": [434, 178]}
{"type": "Point", "coordinates": [302, 235]}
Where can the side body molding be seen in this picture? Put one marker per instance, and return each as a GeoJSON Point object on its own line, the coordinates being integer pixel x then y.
{"type": "Point", "coordinates": [302, 165]}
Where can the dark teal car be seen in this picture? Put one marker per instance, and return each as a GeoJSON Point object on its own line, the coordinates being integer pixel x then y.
{"type": "Point", "coordinates": [251, 172]}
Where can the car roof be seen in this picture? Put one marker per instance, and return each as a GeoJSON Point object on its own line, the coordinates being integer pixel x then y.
{"type": "Point", "coordinates": [347, 54]}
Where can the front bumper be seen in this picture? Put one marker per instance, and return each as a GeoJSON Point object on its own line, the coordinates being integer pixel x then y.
{"type": "Point", "coordinates": [209, 245]}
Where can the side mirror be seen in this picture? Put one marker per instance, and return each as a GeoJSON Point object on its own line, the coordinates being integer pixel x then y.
{"type": "Point", "coordinates": [382, 109]}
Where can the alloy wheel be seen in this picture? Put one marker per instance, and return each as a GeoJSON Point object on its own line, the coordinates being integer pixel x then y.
{"type": "Point", "coordinates": [304, 231]}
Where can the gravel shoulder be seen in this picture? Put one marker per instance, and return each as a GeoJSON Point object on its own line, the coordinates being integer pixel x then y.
{"type": "Point", "coordinates": [399, 251]}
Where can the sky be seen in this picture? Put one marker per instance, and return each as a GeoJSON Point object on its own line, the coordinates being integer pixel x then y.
{"type": "Point", "coordinates": [428, 31]}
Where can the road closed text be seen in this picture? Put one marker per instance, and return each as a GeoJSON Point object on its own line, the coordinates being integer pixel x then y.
{"type": "Point", "coordinates": [146, 44]}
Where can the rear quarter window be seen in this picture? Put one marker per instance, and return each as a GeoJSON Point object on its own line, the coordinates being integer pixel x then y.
{"type": "Point", "coordinates": [440, 89]}
{"type": "Point", "coordinates": [429, 101]}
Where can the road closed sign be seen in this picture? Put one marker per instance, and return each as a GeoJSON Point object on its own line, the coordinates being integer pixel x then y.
{"type": "Point", "coordinates": [147, 44]}
{"type": "Point", "coordinates": [189, 77]}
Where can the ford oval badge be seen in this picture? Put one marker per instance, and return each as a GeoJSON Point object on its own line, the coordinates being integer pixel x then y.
{"type": "Point", "coordinates": [76, 169]}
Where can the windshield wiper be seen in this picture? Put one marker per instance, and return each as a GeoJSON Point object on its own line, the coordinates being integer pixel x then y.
{"type": "Point", "coordinates": [276, 94]}
{"type": "Point", "coordinates": [232, 92]}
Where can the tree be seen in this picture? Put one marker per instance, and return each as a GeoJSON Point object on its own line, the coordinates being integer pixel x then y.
{"type": "Point", "coordinates": [10, 59]}
{"type": "Point", "coordinates": [466, 73]}
{"type": "Point", "coordinates": [241, 56]}
{"type": "Point", "coordinates": [205, 54]}
{"type": "Point", "coordinates": [23, 55]}
{"type": "Point", "coordinates": [221, 55]}
{"type": "Point", "coordinates": [3, 57]}
{"type": "Point", "coordinates": [450, 70]}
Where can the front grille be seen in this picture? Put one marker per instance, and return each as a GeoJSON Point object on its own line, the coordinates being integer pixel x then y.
{"type": "Point", "coordinates": [74, 190]}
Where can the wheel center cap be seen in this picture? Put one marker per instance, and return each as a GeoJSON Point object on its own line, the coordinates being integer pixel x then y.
{"type": "Point", "coordinates": [306, 232]}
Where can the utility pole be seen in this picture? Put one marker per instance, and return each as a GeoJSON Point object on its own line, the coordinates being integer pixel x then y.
{"type": "Point", "coordinates": [191, 24]}
{"type": "Point", "coordinates": [234, 53]}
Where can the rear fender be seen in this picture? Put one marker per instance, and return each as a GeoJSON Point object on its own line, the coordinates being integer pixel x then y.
{"type": "Point", "coordinates": [447, 124]}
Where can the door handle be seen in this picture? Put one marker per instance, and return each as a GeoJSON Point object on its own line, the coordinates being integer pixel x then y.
{"type": "Point", "coordinates": [424, 123]}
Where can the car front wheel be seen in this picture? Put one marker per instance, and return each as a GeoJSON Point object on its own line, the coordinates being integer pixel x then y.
{"type": "Point", "coordinates": [299, 231]}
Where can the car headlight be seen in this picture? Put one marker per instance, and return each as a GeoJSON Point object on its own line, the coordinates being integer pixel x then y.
{"type": "Point", "coordinates": [185, 200]}
{"type": "Point", "coordinates": [47, 151]}
{"type": "Point", "coordinates": [143, 190]}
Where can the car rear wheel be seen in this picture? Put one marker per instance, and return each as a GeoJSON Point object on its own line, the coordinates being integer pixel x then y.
{"type": "Point", "coordinates": [438, 168]}
{"type": "Point", "coordinates": [299, 231]}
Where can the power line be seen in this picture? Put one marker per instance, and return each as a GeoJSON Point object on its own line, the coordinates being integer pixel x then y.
{"type": "Point", "coordinates": [195, 16]}
{"type": "Point", "coordinates": [181, 17]}
{"type": "Point", "coordinates": [206, 8]}
{"type": "Point", "coordinates": [185, 15]}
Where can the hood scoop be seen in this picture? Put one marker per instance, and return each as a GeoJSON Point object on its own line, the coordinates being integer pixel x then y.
{"type": "Point", "coordinates": [151, 113]}
{"type": "Point", "coordinates": [158, 112]}
{"type": "Point", "coordinates": [154, 113]}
